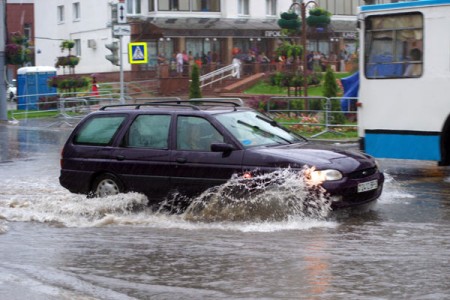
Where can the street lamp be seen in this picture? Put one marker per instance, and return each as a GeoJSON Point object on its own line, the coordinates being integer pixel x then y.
{"type": "Point", "coordinates": [303, 7]}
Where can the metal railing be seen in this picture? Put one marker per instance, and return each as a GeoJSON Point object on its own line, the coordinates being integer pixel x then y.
{"type": "Point", "coordinates": [63, 109]}
{"type": "Point", "coordinates": [327, 113]}
{"type": "Point", "coordinates": [233, 70]}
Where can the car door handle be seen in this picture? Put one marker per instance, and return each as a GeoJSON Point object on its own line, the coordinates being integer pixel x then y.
{"type": "Point", "coordinates": [181, 160]}
{"type": "Point", "coordinates": [120, 157]}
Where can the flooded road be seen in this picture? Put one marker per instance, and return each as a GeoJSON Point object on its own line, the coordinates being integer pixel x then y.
{"type": "Point", "coordinates": [57, 245]}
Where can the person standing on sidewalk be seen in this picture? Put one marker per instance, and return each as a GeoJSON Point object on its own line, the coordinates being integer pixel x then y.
{"type": "Point", "coordinates": [179, 59]}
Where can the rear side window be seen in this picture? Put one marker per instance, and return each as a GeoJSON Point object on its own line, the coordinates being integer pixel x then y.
{"type": "Point", "coordinates": [99, 130]}
{"type": "Point", "coordinates": [149, 131]}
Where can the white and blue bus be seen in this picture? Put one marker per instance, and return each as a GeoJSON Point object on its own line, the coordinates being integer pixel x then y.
{"type": "Point", "coordinates": [404, 94]}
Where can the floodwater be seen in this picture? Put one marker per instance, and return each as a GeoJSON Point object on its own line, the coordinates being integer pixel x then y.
{"type": "Point", "coordinates": [57, 245]}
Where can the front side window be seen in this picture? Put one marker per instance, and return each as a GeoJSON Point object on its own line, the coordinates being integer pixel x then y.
{"type": "Point", "coordinates": [394, 46]}
{"type": "Point", "coordinates": [99, 130]}
{"type": "Point", "coordinates": [196, 134]}
{"type": "Point", "coordinates": [149, 131]}
{"type": "Point", "coordinates": [243, 7]}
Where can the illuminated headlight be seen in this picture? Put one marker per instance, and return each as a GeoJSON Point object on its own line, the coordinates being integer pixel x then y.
{"type": "Point", "coordinates": [316, 177]}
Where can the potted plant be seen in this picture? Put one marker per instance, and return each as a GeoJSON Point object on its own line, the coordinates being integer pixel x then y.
{"type": "Point", "coordinates": [318, 17]}
{"type": "Point", "coordinates": [290, 21]}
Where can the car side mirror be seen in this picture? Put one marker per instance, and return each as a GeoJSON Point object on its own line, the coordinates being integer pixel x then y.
{"type": "Point", "coordinates": [222, 147]}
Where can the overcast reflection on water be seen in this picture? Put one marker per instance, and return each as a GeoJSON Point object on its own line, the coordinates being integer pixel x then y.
{"type": "Point", "coordinates": [57, 245]}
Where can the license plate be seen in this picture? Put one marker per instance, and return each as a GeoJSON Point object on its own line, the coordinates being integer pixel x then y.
{"type": "Point", "coordinates": [367, 186]}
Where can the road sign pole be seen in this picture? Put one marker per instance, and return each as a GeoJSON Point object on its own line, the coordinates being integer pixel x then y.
{"type": "Point", "coordinates": [122, 97]}
{"type": "Point", "coordinates": [3, 104]}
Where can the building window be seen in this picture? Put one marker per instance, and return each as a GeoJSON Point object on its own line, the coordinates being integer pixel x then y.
{"type": "Point", "coordinates": [76, 11]}
{"type": "Point", "coordinates": [206, 5]}
{"type": "Point", "coordinates": [151, 5]}
{"type": "Point", "coordinates": [27, 31]}
{"type": "Point", "coordinates": [176, 5]}
{"type": "Point", "coordinates": [347, 7]}
{"type": "Point", "coordinates": [243, 7]}
{"type": "Point", "coordinates": [186, 5]}
{"type": "Point", "coordinates": [60, 12]}
{"type": "Point", "coordinates": [134, 7]}
{"type": "Point", "coordinates": [271, 7]}
{"type": "Point", "coordinates": [393, 46]}
{"type": "Point", "coordinates": [77, 47]}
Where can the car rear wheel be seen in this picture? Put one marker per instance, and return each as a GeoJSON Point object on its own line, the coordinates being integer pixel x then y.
{"type": "Point", "coordinates": [106, 185]}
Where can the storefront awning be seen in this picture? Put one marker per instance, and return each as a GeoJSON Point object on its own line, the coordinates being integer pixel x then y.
{"type": "Point", "coordinates": [222, 27]}
{"type": "Point", "coordinates": [211, 27]}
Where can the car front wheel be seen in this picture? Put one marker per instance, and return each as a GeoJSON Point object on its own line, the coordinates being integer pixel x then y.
{"type": "Point", "coordinates": [106, 185]}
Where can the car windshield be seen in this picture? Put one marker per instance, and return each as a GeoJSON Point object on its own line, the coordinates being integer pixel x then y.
{"type": "Point", "coordinates": [253, 129]}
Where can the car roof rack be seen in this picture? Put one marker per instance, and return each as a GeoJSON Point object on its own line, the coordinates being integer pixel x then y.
{"type": "Point", "coordinates": [235, 102]}
{"type": "Point", "coordinates": [193, 103]}
{"type": "Point", "coordinates": [138, 106]}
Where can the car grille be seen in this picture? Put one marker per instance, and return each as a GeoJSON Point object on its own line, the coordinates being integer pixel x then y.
{"type": "Point", "coordinates": [362, 173]}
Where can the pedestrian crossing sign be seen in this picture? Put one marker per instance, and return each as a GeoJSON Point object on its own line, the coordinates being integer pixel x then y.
{"type": "Point", "coordinates": [137, 53]}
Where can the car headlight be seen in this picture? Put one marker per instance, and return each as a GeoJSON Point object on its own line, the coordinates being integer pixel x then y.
{"type": "Point", "coordinates": [316, 177]}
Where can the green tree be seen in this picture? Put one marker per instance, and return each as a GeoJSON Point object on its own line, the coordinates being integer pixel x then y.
{"type": "Point", "coordinates": [194, 88]}
{"type": "Point", "coordinates": [17, 50]}
{"type": "Point", "coordinates": [330, 90]}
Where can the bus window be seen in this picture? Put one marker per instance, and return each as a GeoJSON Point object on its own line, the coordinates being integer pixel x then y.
{"type": "Point", "coordinates": [394, 46]}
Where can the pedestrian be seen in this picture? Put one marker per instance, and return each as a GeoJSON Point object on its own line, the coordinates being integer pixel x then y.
{"type": "Point", "coordinates": [179, 61]}
{"type": "Point", "coordinates": [94, 86]}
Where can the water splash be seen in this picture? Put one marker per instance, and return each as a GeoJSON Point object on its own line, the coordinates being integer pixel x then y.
{"type": "Point", "coordinates": [71, 210]}
{"type": "Point", "coordinates": [274, 197]}
{"type": "Point", "coordinates": [393, 190]}
{"type": "Point", "coordinates": [272, 202]}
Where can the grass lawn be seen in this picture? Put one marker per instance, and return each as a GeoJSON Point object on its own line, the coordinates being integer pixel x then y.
{"type": "Point", "coordinates": [264, 88]}
{"type": "Point", "coordinates": [21, 114]}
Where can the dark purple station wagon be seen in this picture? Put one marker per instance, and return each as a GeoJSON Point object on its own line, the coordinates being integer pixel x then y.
{"type": "Point", "coordinates": [190, 146]}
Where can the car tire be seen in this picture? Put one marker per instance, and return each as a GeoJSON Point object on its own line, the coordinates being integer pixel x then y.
{"type": "Point", "coordinates": [106, 185]}
{"type": "Point", "coordinates": [11, 96]}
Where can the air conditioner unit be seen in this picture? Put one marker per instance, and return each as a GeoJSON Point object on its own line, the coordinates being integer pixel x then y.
{"type": "Point", "coordinates": [92, 44]}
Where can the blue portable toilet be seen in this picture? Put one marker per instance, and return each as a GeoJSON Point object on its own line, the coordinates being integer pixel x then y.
{"type": "Point", "coordinates": [32, 84]}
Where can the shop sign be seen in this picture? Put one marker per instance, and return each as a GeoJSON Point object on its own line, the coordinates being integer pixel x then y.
{"type": "Point", "coordinates": [273, 33]}
{"type": "Point", "coordinates": [349, 35]}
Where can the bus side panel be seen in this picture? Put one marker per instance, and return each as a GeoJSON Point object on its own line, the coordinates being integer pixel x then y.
{"type": "Point", "coordinates": [403, 145]}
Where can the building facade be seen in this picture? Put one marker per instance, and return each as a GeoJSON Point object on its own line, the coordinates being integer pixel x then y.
{"type": "Point", "coordinates": [216, 28]}
{"type": "Point", "coordinates": [20, 20]}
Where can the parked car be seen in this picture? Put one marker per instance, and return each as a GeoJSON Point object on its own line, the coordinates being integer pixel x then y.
{"type": "Point", "coordinates": [190, 146]}
{"type": "Point", "coordinates": [11, 91]}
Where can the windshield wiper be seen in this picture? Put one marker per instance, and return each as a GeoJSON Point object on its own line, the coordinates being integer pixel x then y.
{"type": "Point", "coordinates": [276, 124]}
{"type": "Point", "coordinates": [254, 127]}
{"type": "Point", "coordinates": [271, 122]}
